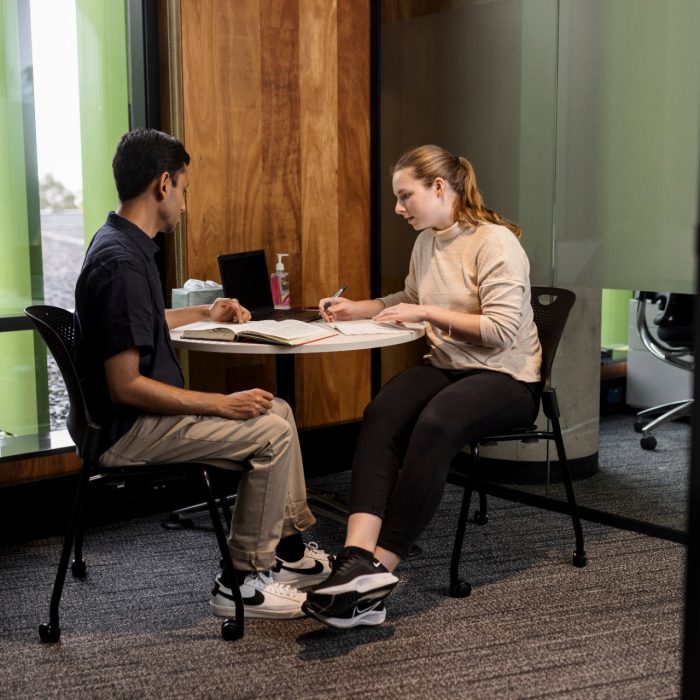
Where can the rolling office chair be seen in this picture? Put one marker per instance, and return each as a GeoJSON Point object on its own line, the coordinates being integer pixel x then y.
{"type": "Point", "coordinates": [56, 328]}
{"type": "Point", "coordinates": [550, 319]}
{"type": "Point", "coordinates": [673, 343]}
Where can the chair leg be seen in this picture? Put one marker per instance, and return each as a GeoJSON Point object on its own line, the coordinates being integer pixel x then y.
{"type": "Point", "coordinates": [458, 587]}
{"type": "Point", "coordinates": [226, 502]}
{"type": "Point", "coordinates": [78, 567]}
{"type": "Point", "coordinates": [481, 516]}
{"type": "Point", "coordinates": [579, 557]}
{"type": "Point", "coordinates": [231, 628]}
{"type": "Point", "coordinates": [51, 631]}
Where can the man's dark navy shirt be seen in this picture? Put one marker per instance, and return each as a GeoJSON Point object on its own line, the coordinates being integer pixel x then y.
{"type": "Point", "coordinates": [119, 305]}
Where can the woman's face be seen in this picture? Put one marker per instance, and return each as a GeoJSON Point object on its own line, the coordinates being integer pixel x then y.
{"type": "Point", "coordinates": [422, 207]}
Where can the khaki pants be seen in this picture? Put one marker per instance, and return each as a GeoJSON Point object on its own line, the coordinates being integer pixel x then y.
{"type": "Point", "coordinates": [271, 500]}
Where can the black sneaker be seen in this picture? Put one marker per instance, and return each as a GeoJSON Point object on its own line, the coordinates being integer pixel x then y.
{"type": "Point", "coordinates": [370, 612]}
{"type": "Point", "coordinates": [357, 577]}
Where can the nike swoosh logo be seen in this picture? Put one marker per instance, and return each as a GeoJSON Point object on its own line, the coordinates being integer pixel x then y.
{"type": "Point", "coordinates": [256, 599]}
{"type": "Point", "coordinates": [377, 564]}
{"type": "Point", "coordinates": [317, 568]}
{"type": "Point", "coordinates": [370, 606]}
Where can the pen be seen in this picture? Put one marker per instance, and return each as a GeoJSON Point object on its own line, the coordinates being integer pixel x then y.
{"type": "Point", "coordinates": [343, 287]}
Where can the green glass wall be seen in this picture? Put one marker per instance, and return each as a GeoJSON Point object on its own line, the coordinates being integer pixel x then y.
{"type": "Point", "coordinates": [104, 117]}
{"type": "Point", "coordinates": [104, 102]}
{"type": "Point", "coordinates": [23, 375]}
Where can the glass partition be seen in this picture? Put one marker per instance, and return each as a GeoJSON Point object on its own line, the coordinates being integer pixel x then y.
{"type": "Point", "coordinates": [582, 119]}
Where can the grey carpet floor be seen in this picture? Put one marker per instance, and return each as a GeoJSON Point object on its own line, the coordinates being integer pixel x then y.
{"type": "Point", "coordinates": [535, 626]}
{"type": "Point", "coordinates": [651, 486]}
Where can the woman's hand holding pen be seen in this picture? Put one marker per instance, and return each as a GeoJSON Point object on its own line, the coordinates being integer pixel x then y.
{"type": "Point", "coordinates": [341, 309]}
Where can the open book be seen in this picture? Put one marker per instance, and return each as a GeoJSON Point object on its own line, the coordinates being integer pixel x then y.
{"type": "Point", "coordinates": [287, 332]}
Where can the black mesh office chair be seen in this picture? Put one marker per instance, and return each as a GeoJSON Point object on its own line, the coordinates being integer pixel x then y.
{"type": "Point", "coordinates": [550, 318]}
{"type": "Point", "coordinates": [673, 343]}
{"type": "Point", "coordinates": [56, 328]}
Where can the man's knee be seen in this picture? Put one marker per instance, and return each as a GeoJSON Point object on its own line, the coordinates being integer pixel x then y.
{"type": "Point", "coordinates": [277, 431]}
{"type": "Point", "coordinates": [280, 407]}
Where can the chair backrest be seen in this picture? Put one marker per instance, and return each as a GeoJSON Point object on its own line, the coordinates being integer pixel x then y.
{"type": "Point", "coordinates": [551, 306]}
{"type": "Point", "coordinates": [673, 341]}
{"type": "Point", "coordinates": [675, 322]}
{"type": "Point", "coordinates": [56, 328]}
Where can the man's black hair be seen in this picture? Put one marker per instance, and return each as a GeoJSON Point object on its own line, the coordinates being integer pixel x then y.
{"type": "Point", "coordinates": [141, 156]}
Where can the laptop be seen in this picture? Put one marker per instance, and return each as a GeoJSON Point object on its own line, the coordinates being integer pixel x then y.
{"type": "Point", "coordinates": [245, 277]}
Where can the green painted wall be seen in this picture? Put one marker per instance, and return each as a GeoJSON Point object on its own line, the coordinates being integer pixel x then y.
{"type": "Point", "coordinates": [614, 317]}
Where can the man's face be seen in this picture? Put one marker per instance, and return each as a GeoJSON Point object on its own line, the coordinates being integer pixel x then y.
{"type": "Point", "coordinates": [175, 200]}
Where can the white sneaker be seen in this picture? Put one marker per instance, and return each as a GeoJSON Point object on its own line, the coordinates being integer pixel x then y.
{"type": "Point", "coordinates": [312, 568]}
{"type": "Point", "coordinates": [262, 597]}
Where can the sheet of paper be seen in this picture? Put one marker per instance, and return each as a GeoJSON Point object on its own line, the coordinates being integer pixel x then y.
{"type": "Point", "coordinates": [371, 327]}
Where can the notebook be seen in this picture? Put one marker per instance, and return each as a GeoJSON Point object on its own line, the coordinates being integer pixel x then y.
{"type": "Point", "coordinates": [245, 277]}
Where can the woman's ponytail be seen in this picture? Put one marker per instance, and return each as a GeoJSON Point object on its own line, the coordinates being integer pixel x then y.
{"type": "Point", "coordinates": [429, 162]}
{"type": "Point", "coordinates": [469, 206]}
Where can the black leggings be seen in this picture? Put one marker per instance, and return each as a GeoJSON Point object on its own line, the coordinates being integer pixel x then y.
{"type": "Point", "coordinates": [411, 432]}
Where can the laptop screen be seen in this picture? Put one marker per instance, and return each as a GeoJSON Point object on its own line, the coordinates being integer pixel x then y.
{"type": "Point", "coordinates": [244, 277]}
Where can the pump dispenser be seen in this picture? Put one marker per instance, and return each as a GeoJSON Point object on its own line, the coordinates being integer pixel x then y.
{"type": "Point", "coordinates": [279, 281]}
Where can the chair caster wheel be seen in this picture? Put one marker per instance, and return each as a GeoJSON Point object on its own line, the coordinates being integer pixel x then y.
{"type": "Point", "coordinates": [78, 568]}
{"type": "Point", "coordinates": [231, 631]}
{"type": "Point", "coordinates": [480, 519]}
{"type": "Point", "coordinates": [639, 426]}
{"type": "Point", "coordinates": [579, 560]}
{"type": "Point", "coordinates": [48, 633]}
{"type": "Point", "coordinates": [648, 442]}
{"type": "Point", "coordinates": [460, 589]}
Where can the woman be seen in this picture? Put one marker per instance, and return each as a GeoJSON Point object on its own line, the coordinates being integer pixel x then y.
{"type": "Point", "coordinates": [468, 282]}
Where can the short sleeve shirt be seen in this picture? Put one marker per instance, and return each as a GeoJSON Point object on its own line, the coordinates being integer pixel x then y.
{"type": "Point", "coordinates": [119, 305]}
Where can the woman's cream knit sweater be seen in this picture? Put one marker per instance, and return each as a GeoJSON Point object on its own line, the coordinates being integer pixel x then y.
{"type": "Point", "coordinates": [477, 270]}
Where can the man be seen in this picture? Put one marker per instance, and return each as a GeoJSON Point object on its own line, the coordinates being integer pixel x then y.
{"type": "Point", "coordinates": [135, 385]}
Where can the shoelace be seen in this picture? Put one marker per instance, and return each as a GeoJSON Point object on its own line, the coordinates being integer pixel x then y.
{"type": "Point", "coordinates": [283, 589]}
{"type": "Point", "coordinates": [317, 552]}
{"type": "Point", "coordinates": [342, 564]}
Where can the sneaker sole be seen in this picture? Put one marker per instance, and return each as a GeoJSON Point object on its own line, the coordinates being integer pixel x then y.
{"type": "Point", "coordinates": [362, 584]}
{"type": "Point", "coordinates": [369, 619]}
{"type": "Point", "coordinates": [224, 611]}
{"type": "Point", "coordinates": [332, 605]}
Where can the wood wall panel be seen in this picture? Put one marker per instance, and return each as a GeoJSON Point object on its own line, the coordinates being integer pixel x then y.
{"type": "Point", "coordinates": [281, 151]}
{"type": "Point", "coordinates": [349, 259]}
{"type": "Point", "coordinates": [276, 118]}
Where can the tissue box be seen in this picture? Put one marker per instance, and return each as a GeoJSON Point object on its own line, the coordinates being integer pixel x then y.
{"type": "Point", "coordinates": [193, 297]}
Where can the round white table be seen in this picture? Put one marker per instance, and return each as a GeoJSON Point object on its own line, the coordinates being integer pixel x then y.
{"type": "Point", "coordinates": [284, 354]}
{"type": "Point", "coordinates": [336, 343]}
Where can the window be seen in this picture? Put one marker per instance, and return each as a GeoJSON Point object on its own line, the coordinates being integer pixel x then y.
{"type": "Point", "coordinates": [64, 103]}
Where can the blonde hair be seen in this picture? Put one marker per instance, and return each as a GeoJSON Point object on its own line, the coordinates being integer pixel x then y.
{"type": "Point", "coordinates": [430, 162]}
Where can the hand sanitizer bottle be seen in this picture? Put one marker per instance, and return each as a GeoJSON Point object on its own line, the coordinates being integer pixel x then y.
{"type": "Point", "coordinates": [279, 281]}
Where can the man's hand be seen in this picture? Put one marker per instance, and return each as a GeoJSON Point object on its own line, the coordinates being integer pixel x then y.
{"type": "Point", "coordinates": [243, 405]}
{"type": "Point", "coordinates": [228, 311]}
